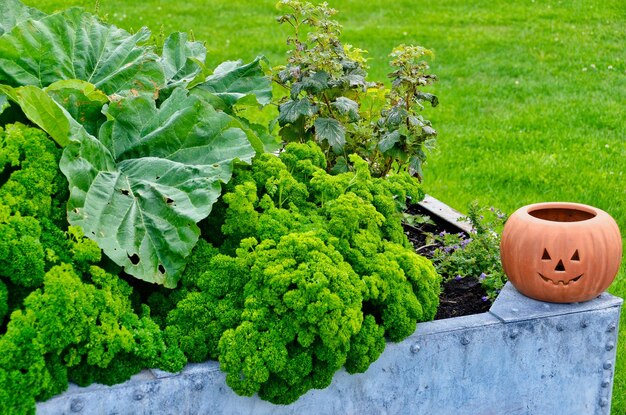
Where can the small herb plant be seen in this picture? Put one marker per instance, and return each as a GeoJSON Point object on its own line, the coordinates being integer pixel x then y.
{"type": "Point", "coordinates": [330, 101]}
{"type": "Point", "coordinates": [476, 254]}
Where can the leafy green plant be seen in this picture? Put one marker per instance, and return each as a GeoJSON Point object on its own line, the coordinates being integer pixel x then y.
{"type": "Point", "coordinates": [37, 52]}
{"type": "Point", "coordinates": [403, 132]}
{"type": "Point", "coordinates": [152, 174]}
{"type": "Point", "coordinates": [69, 319]}
{"type": "Point", "coordinates": [31, 195]}
{"type": "Point", "coordinates": [313, 272]}
{"type": "Point", "coordinates": [296, 273]}
{"type": "Point", "coordinates": [54, 338]}
{"type": "Point", "coordinates": [147, 139]}
{"type": "Point", "coordinates": [476, 254]}
{"type": "Point", "coordinates": [330, 101]}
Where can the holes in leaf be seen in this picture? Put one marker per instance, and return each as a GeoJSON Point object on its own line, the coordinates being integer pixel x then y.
{"type": "Point", "coordinates": [169, 201]}
{"type": "Point", "coordinates": [134, 259]}
{"type": "Point", "coordinates": [546, 255]}
{"type": "Point", "coordinates": [576, 257]}
{"type": "Point", "coordinates": [125, 192]}
{"type": "Point", "coordinates": [161, 269]}
{"type": "Point", "coordinates": [560, 266]}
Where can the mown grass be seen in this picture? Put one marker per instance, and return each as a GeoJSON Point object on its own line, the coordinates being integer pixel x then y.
{"type": "Point", "coordinates": [533, 93]}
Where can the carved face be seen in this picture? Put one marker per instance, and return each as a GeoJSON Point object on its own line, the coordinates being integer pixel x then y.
{"type": "Point", "coordinates": [561, 266]}
{"type": "Point", "coordinates": [560, 252]}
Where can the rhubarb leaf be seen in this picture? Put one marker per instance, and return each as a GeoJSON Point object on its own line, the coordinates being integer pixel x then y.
{"type": "Point", "coordinates": [153, 173]}
{"type": "Point", "coordinates": [13, 12]}
{"type": "Point", "coordinates": [42, 110]}
{"type": "Point", "coordinates": [182, 60]}
{"type": "Point", "coordinates": [231, 81]}
{"type": "Point", "coordinates": [82, 101]}
{"type": "Point", "coordinates": [75, 45]}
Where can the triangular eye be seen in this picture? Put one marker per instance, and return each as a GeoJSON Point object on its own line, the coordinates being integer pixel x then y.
{"type": "Point", "coordinates": [546, 255]}
{"type": "Point", "coordinates": [575, 257]}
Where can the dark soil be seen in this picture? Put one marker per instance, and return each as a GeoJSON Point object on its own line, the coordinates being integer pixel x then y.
{"type": "Point", "coordinates": [461, 298]}
{"type": "Point", "coordinates": [458, 297]}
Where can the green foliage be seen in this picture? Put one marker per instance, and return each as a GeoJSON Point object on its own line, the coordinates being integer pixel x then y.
{"type": "Point", "coordinates": [232, 81]}
{"type": "Point", "coordinates": [182, 60]}
{"type": "Point", "coordinates": [31, 187]}
{"type": "Point", "coordinates": [521, 95]}
{"type": "Point", "coordinates": [4, 301]}
{"type": "Point", "coordinates": [404, 132]}
{"type": "Point", "coordinates": [302, 306]}
{"type": "Point", "coordinates": [200, 319]}
{"type": "Point", "coordinates": [330, 101]}
{"type": "Point", "coordinates": [37, 52]}
{"type": "Point", "coordinates": [21, 253]}
{"type": "Point", "coordinates": [163, 170]}
{"type": "Point", "coordinates": [308, 271]}
{"type": "Point", "coordinates": [29, 169]}
{"type": "Point", "coordinates": [13, 12]}
{"type": "Point", "coordinates": [314, 273]}
{"type": "Point", "coordinates": [138, 144]}
{"type": "Point", "coordinates": [477, 254]}
{"type": "Point", "coordinates": [39, 108]}
{"type": "Point", "coordinates": [34, 236]}
{"type": "Point", "coordinates": [366, 346]}
{"type": "Point", "coordinates": [71, 323]}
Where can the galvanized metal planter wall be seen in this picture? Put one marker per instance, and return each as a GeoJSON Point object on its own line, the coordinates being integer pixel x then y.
{"type": "Point", "coordinates": [522, 357]}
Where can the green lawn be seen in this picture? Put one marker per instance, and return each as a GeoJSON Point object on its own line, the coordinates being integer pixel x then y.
{"type": "Point", "coordinates": [533, 93]}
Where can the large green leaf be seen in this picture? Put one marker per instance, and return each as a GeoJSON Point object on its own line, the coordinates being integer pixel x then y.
{"type": "Point", "coordinates": [291, 111]}
{"type": "Point", "coordinates": [231, 81]}
{"type": "Point", "coordinates": [59, 108]}
{"type": "Point", "coordinates": [82, 101]}
{"type": "Point", "coordinates": [389, 140]}
{"type": "Point", "coordinates": [76, 45]}
{"type": "Point", "coordinates": [4, 102]}
{"type": "Point", "coordinates": [13, 12]}
{"type": "Point", "coordinates": [331, 130]}
{"type": "Point", "coordinates": [42, 110]}
{"type": "Point", "coordinates": [348, 107]}
{"type": "Point", "coordinates": [182, 60]}
{"type": "Point", "coordinates": [235, 89]}
{"type": "Point", "coordinates": [154, 173]}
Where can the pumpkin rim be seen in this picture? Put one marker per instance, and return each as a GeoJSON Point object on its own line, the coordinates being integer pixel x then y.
{"type": "Point", "coordinates": [597, 215]}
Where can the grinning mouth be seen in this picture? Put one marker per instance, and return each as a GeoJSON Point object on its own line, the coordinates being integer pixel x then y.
{"type": "Point", "coordinates": [560, 282]}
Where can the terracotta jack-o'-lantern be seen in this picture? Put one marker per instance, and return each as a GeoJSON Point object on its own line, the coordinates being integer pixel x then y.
{"type": "Point", "coordinates": [561, 252]}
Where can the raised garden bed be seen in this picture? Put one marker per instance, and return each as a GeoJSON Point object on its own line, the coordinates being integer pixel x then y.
{"type": "Point", "coordinates": [512, 359]}
{"type": "Point", "coordinates": [148, 225]}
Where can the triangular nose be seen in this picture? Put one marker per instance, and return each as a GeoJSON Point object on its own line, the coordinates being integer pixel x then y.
{"type": "Point", "coordinates": [560, 266]}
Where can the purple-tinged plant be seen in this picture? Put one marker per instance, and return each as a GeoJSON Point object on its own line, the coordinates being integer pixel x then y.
{"type": "Point", "coordinates": [478, 255]}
